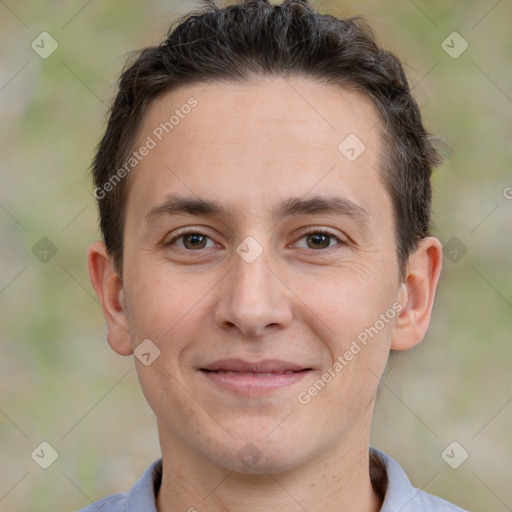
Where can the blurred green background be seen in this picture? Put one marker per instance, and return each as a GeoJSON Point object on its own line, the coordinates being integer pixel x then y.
{"type": "Point", "coordinates": [62, 384]}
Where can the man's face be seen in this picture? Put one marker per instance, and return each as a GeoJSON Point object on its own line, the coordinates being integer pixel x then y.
{"type": "Point", "coordinates": [247, 326]}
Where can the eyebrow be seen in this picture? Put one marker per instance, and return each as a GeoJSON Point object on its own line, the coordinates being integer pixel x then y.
{"type": "Point", "coordinates": [176, 205]}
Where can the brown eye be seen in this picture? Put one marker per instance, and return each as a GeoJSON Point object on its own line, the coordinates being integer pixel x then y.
{"type": "Point", "coordinates": [192, 241]}
{"type": "Point", "coordinates": [318, 240]}
{"type": "Point", "coordinates": [195, 241]}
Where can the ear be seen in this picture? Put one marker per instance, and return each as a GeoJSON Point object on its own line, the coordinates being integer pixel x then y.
{"type": "Point", "coordinates": [417, 294]}
{"type": "Point", "coordinates": [109, 289]}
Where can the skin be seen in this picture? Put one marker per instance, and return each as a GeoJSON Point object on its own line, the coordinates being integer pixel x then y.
{"type": "Point", "coordinates": [249, 147]}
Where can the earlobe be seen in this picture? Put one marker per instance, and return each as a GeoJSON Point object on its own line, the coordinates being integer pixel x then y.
{"type": "Point", "coordinates": [108, 287]}
{"type": "Point", "coordinates": [417, 294]}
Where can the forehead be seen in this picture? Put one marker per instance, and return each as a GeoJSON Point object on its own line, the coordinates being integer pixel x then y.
{"type": "Point", "coordinates": [274, 137]}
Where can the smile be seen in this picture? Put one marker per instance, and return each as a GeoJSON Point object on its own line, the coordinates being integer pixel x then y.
{"type": "Point", "coordinates": [249, 378]}
{"type": "Point", "coordinates": [252, 374]}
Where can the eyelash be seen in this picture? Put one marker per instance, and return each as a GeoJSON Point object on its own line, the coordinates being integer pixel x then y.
{"type": "Point", "coordinates": [183, 234]}
{"type": "Point", "coordinates": [317, 231]}
{"type": "Point", "coordinates": [310, 231]}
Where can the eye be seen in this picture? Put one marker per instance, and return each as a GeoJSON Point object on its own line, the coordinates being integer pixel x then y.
{"type": "Point", "coordinates": [192, 240]}
{"type": "Point", "coordinates": [318, 239]}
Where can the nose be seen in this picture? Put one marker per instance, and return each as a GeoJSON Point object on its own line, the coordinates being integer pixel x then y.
{"type": "Point", "coordinates": [253, 299]}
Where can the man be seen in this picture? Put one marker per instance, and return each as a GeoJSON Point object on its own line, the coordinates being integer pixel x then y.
{"type": "Point", "coordinates": [264, 195]}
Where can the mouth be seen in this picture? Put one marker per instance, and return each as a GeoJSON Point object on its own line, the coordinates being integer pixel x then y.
{"type": "Point", "coordinates": [251, 374]}
{"type": "Point", "coordinates": [247, 378]}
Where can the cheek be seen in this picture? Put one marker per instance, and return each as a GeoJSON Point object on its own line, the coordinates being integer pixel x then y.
{"type": "Point", "coordinates": [174, 312]}
{"type": "Point", "coordinates": [358, 343]}
{"type": "Point", "coordinates": [353, 316]}
{"type": "Point", "coordinates": [166, 392]}
{"type": "Point", "coordinates": [168, 317]}
{"type": "Point", "coordinates": [346, 302]}
{"type": "Point", "coordinates": [160, 301]}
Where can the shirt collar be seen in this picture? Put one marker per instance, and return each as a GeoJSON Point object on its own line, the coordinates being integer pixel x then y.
{"type": "Point", "coordinates": [388, 479]}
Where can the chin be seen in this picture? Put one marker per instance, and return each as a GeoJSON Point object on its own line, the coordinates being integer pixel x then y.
{"type": "Point", "coordinates": [259, 464]}
{"type": "Point", "coordinates": [259, 456]}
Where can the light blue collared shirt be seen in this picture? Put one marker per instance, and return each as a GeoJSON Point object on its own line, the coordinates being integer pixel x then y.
{"type": "Point", "coordinates": [399, 494]}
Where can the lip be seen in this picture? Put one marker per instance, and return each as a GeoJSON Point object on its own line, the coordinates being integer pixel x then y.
{"type": "Point", "coordinates": [265, 366]}
{"type": "Point", "coordinates": [247, 378]}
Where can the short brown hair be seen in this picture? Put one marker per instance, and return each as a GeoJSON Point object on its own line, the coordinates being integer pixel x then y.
{"type": "Point", "coordinates": [254, 38]}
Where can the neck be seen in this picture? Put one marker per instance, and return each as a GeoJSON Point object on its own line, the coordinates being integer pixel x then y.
{"type": "Point", "coordinates": [335, 481]}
